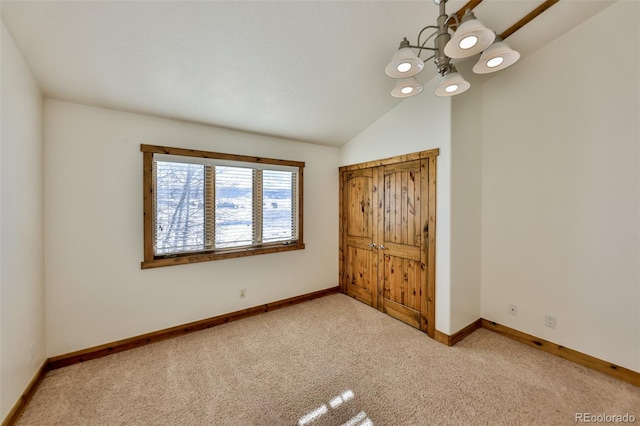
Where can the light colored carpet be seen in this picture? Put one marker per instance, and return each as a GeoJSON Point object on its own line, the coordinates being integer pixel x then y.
{"type": "Point", "coordinates": [329, 361]}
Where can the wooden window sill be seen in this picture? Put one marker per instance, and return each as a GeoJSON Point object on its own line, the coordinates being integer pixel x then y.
{"type": "Point", "coordinates": [208, 256]}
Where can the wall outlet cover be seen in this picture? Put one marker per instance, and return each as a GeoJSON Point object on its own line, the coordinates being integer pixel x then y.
{"type": "Point", "coordinates": [550, 321]}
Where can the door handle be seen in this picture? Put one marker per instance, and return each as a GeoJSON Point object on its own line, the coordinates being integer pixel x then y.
{"type": "Point", "coordinates": [373, 245]}
{"type": "Point", "coordinates": [382, 247]}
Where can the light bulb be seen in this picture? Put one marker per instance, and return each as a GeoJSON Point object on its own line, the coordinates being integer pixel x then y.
{"type": "Point", "coordinates": [404, 67]}
{"type": "Point", "coordinates": [494, 62]}
{"type": "Point", "coordinates": [407, 90]}
{"type": "Point", "coordinates": [451, 88]}
{"type": "Point", "coordinates": [468, 42]}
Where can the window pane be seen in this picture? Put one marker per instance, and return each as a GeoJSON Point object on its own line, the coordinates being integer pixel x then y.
{"type": "Point", "coordinates": [234, 213]}
{"type": "Point", "coordinates": [179, 207]}
{"type": "Point", "coordinates": [277, 210]}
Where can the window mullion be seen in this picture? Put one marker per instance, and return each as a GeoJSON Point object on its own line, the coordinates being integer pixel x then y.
{"type": "Point", "coordinates": [257, 207]}
{"type": "Point", "coordinates": [209, 207]}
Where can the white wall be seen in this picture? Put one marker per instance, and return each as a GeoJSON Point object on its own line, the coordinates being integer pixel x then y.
{"type": "Point", "coordinates": [560, 190]}
{"type": "Point", "coordinates": [96, 291]}
{"type": "Point", "coordinates": [22, 337]}
{"type": "Point", "coordinates": [466, 201]}
{"type": "Point", "coordinates": [418, 123]}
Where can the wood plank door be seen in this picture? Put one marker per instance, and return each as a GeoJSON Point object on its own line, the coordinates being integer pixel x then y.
{"type": "Point", "coordinates": [387, 236]}
{"type": "Point", "coordinates": [360, 219]}
{"type": "Point", "coordinates": [401, 253]}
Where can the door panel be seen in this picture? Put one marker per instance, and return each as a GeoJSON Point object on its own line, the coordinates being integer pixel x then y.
{"type": "Point", "coordinates": [401, 281]}
{"type": "Point", "coordinates": [359, 271]}
{"type": "Point", "coordinates": [402, 204]}
{"type": "Point", "coordinates": [360, 264]}
{"type": "Point", "coordinates": [401, 313]}
{"type": "Point", "coordinates": [360, 213]}
{"type": "Point", "coordinates": [404, 280]}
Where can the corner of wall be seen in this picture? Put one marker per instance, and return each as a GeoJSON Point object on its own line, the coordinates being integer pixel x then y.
{"type": "Point", "coordinates": [21, 226]}
{"type": "Point", "coordinates": [466, 189]}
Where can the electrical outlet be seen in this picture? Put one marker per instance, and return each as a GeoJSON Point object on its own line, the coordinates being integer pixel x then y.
{"type": "Point", "coordinates": [243, 293]}
{"type": "Point", "coordinates": [550, 321]}
{"type": "Point", "coordinates": [513, 310]}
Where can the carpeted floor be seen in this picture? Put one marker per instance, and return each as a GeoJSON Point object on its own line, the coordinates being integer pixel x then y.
{"type": "Point", "coordinates": [330, 361]}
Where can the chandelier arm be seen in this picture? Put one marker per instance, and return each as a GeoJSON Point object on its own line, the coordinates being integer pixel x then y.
{"type": "Point", "coordinates": [426, 28]}
{"type": "Point", "coordinates": [425, 42]}
{"type": "Point", "coordinates": [455, 17]}
{"type": "Point", "coordinates": [422, 48]}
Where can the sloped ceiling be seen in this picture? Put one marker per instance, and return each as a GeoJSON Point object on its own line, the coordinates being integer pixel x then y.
{"type": "Point", "coordinates": [310, 71]}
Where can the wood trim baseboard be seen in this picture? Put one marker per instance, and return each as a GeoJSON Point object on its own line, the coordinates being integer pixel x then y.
{"type": "Point", "coordinates": [156, 336]}
{"type": "Point", "coordinates": [461, 334]}
{"type": "Point", "coordinates": [441, 337]}
{"type": "Point", "coordinates": [18, 408]}
{"type": "Point", "coordinates": [588, 361]}
{"type": "Point", "coordinates": [445, 339]}
{"type": "Point", "coordinates": [583, 359]}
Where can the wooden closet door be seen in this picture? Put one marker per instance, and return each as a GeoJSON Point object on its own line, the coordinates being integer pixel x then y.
{"type": "Point", "coordinates": [387, 236]}
{"type": "Point", "coordinates": [360, 217]}
{"type": "Point", "coordinates": [402, 258]}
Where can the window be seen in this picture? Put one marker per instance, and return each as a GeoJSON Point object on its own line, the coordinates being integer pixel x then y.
{"type": "Point", "coordinates": [201, 206]}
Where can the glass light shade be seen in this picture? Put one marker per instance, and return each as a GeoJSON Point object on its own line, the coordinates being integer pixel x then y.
{"type": "Point", "coordinates": [453, 84]}
{"type": "Point", "coordinates": [469, 28]}
{"type": "Point", "coordinates": [404, 64]}
{"type": "Point", "coordinates": [489, 60]}
{"type": "Point", "coordinates": [406, 87]}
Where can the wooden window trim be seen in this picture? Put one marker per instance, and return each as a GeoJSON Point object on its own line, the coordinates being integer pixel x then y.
{"type": "Point", "coordinates": [152, 261]}
{"type": "Point", "coordinates": [432, 153]}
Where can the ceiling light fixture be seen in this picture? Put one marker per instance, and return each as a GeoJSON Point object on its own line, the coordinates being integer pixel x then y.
{"type": "Point", "coordinates": [452, 84]}
{"type": "Point", "coordinates": [497, 57]}
{"type": "Point", "coordinates": [406, 87]}
{"type": "Point", "coordinates": [470, 38]}
{"type": "Point", "coordinates": [404, 63]}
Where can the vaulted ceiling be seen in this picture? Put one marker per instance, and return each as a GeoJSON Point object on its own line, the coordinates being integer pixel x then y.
{"type": "Point", "coordinates": [311, 71]}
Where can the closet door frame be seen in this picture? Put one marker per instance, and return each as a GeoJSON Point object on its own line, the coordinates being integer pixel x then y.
{"type": "Point", "coordinates": [429, 243]}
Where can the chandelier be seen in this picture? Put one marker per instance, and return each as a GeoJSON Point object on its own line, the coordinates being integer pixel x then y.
{"type": "Point", "coordinates": [470, 38]}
